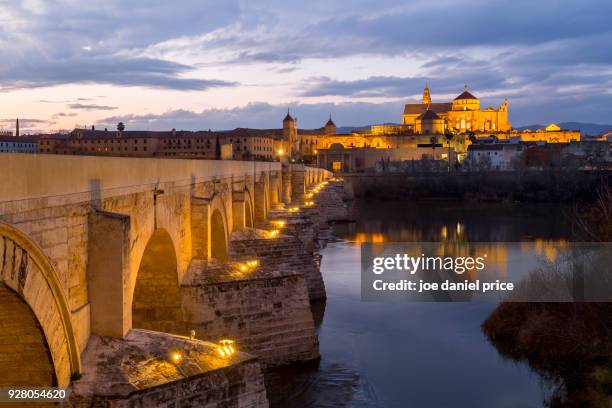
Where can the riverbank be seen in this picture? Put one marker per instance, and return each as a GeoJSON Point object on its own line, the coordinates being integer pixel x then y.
{"type": "Point", "coordinates": [555, 186]}
{"type": "Point", "coordinates": [568, 343]}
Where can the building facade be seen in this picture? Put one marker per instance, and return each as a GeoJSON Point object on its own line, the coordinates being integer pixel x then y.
{"type": "Point", "coordinates": [21, 144]}
{"type": "Point", "coordinates": [245, 143]}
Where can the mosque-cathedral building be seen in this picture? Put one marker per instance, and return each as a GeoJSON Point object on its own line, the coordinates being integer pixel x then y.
{"type": "Point", "coordinates": [430, 124]}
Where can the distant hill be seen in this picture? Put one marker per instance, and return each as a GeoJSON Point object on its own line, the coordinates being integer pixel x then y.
{"type": "Point", "coordinates": [586, 129]}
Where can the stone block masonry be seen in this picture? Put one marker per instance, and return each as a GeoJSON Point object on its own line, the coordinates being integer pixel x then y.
{"type": "Point", "coordinates": [330, 202]}
{"type": "Point", "coordinates": [292, 251]}
{"type": "Point", "coordinates": [267, 312]}
{"type": "Point", "coordinates": [139, 371]}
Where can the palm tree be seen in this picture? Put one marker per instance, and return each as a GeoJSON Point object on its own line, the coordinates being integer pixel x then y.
{"type": "Point", "coordinates": [449, 136]}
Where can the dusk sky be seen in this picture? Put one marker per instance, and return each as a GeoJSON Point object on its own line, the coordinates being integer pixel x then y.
{"type": "Point", "coordinates": [200, 64]}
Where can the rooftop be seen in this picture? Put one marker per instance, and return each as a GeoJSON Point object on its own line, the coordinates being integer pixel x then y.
{"type": "Point", "coordinates": [419, 108]}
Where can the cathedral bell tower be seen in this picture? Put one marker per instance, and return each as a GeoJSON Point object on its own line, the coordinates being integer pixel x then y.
{"type": "Point", "coordinates": [426, 96]}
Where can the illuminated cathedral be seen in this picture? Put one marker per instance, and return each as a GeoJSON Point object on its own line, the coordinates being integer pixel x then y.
{"type": "Point", "coordinates": [463, 114]}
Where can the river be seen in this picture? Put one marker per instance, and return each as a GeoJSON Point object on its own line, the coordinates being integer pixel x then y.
{"type": "Point", "coordinates": [414, 354]}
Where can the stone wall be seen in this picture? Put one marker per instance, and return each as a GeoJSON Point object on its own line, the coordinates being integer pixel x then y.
{"type": "Point", "coordinates": [330, 202]}
{"type": "Point", "coordinates": [267, 313]}
{"type": "Point", "coordinates": [287, 253]}
{"type": "Point", "coordinates": [139, 371]}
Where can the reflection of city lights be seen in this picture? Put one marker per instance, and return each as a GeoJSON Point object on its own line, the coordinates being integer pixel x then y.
{"type": "Point", "coordinates": [226, 348]}
{"type": "Point", "coordinates": [362, 237]}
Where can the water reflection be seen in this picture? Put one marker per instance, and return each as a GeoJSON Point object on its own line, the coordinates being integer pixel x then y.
{"type": "Point", "coordinates": [415, 354]}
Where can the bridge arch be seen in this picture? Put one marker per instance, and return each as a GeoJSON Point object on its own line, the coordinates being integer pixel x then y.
{"type": "Point", "coordinates": [36, 311]}
{"type": "Point", "coordinates": [156, 302]}
{"type": "Point", "coordinates": [218, 229]}
{"type": "Point", "coordinates": [248, 209]}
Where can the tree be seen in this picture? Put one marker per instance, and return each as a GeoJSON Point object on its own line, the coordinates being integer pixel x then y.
{"type": "Point", "coordinates": [449, 136]}
{"type": "Point", "coordinates": [120, 127]}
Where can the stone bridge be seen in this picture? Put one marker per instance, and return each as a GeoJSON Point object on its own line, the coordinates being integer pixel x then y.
{"type": "Point", "coordinates": [92, 248]}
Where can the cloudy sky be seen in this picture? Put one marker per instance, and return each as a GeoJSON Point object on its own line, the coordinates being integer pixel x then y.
{"type": "Point", "coordinates": [220, 64]}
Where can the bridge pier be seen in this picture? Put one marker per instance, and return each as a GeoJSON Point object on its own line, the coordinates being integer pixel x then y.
{"type": "Point", "coordinates": [107, 253]}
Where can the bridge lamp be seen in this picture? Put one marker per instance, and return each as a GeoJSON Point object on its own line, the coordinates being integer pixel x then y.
{"type": "Point", "coordinates": [278, 223]}
{"type": "Point", "coordinates": [176, 357]}
{"type": "Point", "coordinates": [226, 348]}
{"type": "Point", "coordinates": [253, 263]}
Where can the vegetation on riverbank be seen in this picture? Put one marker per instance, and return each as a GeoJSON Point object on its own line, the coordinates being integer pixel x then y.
{"type": "Point", "coordinates": [568, 343]}
{"type": "Point", "coordinates": [556, 186]}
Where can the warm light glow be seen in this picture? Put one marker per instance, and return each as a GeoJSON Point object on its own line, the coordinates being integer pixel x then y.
{"type": "Point", "coordinates": [254, 263]}
{"type": "Point", "coordinates": [226, 348]}
{"type": "Point", "coordinates": [243, 267]}
{"type": "Point", "coordinates": [362, 237]}
{"type": "Point", "coordinates": [309, 195]}
{"type": "Point", "coordinates": [176, 357]}
{"type": "Point", "coordinates": [278, 223]}
{"type": "Point", "coordinates": [294, 209]}
{"type": "Point", "coordinates": [309, 203]}
{"type": "Point", "coordinates": [280, 152]}
{"type": "Point", "coordinates": [273, 233]}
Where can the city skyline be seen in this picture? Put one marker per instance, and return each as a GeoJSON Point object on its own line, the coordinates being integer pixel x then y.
{"type": "Point", "coordinates": [221, 65]}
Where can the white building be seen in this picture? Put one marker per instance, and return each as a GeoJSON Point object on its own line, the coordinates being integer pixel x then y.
{"type": "Point", "coordinates": [493, 154]}
{"type": "Point", "coordinates": [21, 144]}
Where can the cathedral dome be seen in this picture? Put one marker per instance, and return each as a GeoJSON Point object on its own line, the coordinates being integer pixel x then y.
{"type": "Point", "coordinates": [466, 101]}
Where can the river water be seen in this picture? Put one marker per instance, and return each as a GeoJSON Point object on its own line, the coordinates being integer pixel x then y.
{"type": "Point", "coordinates": [414, 354]}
